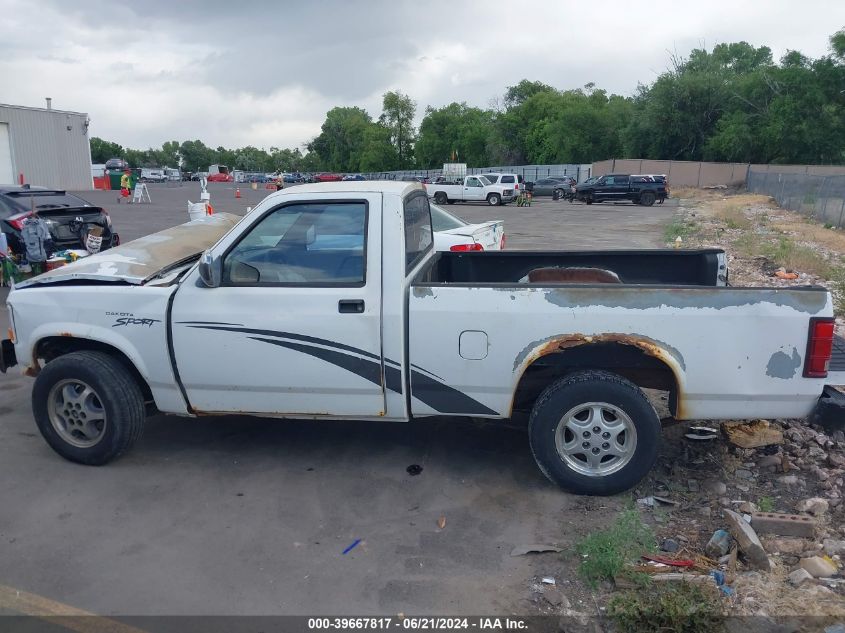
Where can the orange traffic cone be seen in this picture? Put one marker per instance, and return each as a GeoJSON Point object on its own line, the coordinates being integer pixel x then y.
{"type": "Point", "coordinates": [238, 192]}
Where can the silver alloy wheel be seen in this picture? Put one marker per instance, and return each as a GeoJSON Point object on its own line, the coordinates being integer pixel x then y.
{"type": "Point", "coordinates": [76, 413]}
{"type": "Point", "coordinates": [596, 439]}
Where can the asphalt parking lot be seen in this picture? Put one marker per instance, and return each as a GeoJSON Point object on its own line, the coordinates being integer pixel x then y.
{"type": "Point", "coordinates": [249, 516]}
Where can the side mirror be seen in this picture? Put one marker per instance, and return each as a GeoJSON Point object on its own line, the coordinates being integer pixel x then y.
{"type": "Point", "coordinates": [210, 270]}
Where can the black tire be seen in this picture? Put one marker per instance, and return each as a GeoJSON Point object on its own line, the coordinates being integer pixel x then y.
{"type": "Point", "coordinates": [441, 198]}
{"type": "Point", "coordinates": [647, 198]}
{"type": "Point", "coordinates": [589, 199]}
{"type": "Point", "coordinates": [557, 194]}
{"type": "Point", "coordinates": [494, 199]}
{"type": "Point", "coordinates": [117, 392]}
{"type": "Point", "coordinates": [593, 387]}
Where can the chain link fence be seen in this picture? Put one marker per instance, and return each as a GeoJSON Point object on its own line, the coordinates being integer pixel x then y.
{"type": "Point", "coordinates": [819, 197]}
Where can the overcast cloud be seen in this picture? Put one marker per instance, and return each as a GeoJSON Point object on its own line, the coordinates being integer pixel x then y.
{"type": "Point", "coordinates": [264, 74]}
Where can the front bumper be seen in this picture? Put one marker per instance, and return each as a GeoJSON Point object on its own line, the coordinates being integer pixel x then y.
{"type": "Point", "coordinates": [7, 355]}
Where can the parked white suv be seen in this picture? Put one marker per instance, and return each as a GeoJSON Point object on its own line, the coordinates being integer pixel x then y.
{"type": "Point", "coordinates": [512, 181]}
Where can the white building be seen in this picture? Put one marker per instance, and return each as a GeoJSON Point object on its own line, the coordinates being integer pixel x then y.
{"type": "Point", "coordinates": [47, 147]}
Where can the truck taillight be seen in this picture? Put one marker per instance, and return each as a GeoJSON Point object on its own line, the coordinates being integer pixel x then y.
{"type": "Point", "coordinates": [819, 347]}
{"type": "Point", "coordinates": [475, 246]}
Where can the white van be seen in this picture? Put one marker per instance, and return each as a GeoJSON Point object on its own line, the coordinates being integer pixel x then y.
{"type": "Point", "coordinates": [152, 175]}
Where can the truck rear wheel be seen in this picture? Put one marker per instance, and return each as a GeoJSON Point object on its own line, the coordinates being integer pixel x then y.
{"type": "Point", "coordinates": [88, 407]}
{"type": "Point", "coordinates": [594, 433]}
{"type": "Point", "coordinates": [494, 199]}
{"type": "Point", "coordinates": [441, 198]}
{"type": "Point", "coordinates": [647, 198]}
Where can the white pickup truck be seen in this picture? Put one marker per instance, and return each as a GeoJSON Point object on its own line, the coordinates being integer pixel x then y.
{"type": "Point", "coordinates": [471, 189]}
{"type": "Point", "coordinates": [328, 301]}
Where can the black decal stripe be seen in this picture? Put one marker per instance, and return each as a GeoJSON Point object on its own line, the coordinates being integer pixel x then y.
{"type": "Point", "coordinates": [430, 373]}
{"type": "Point", "coordinates": [431, 391]}
{"type": "Point", "coordinates": [366, 369]}
{"type": "Point", "coordinates": [444, 398]}
{"type": "Point", "coordinates": [291, 335]}
{"type": "Point", "coordinates": [206, 323]}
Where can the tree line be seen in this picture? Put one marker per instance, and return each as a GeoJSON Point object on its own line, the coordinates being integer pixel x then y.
{"type": "Point", "coordinates": [733, 103]}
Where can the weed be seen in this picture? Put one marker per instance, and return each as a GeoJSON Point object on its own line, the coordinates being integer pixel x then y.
{"type": "Point", "coordinates": [734, 217]}
{"type": "Point", "coordinates": [749, 244]}
{"type": "Point", "coordinates": [796, 257]}
{"type": "Point", "coordinates": [766, 504]}
{"type": "Point", "coordinates": [605, 553]}
{"type": "Point", "coordinates": [682, 608]}
{"type": "Point", "coordinates": [679, 228]}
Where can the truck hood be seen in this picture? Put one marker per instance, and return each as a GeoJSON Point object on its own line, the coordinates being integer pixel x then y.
{"type": "Point", "coordinates": [138, 261]}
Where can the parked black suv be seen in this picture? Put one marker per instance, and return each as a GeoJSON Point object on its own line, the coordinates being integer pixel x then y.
{"type": "Point", "coordinates": [68, 217]}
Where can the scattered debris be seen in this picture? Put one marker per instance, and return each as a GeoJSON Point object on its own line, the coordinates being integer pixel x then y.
{"type": "Point", "coordinates": [833, 547]}
{"type": "Point", "coordinates": [653, 500]}
{"type": "Point", "coordinates": [556, 598]}
{"type": "Point", "coordinates": [815, 506]}
{"type": "Point", "coordinates": [533, 548]}
{"type": "Point", "coordinates": [716, 487]}
{"type": "Point", "coordinates": [670, 545]}
{"type": "Point", "coordinates": [783, 524]}
{"type": "Point", "coordinates": [548, 580]}
{"type": "Point", "coordinates": [799, 577]}
{"type": "Point", "coordinates": [770, 461]}
{"type": "Point", "coordinates": [441, 522]}
{"type": "Point", "coordinates": [818, 566]}
{"type": "Point", "coordinates": [352, 546]}
{"type": "Point", "coordinates": [749, 543]}
{"type": "Point", "coordinates": [702, 433]}
{"type": "Point", "coordinates": [718, 545]}
{"type": "Point", "coordinates": [693, 485]}
{"type": "Point", "coordinates": [671, 562]}
{"type": "Point", "coordinates": [752, 434]}
{"type": "Point", "coordinates": [789, 546]}
{"type": "Point", "coordinates": [413, 470]}
{"type": "Point", "coordinates": [747, 507]}
{"type": "Point", "coordinates": [782, 274]}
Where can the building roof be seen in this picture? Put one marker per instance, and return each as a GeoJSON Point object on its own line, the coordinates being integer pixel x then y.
{"type": "Point", "coordinates": [17, 107]}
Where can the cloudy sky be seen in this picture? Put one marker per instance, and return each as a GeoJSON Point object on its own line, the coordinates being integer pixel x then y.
{"type": "Point", "coordinates": [265, 73]}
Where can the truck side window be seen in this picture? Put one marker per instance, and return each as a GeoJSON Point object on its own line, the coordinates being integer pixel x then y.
{"type": "Point", "coordinates": [473, 182]}
{"type": "Point", "coordinates": [305, 244]}
{"type": "Point", "coordinates": [418, 235]}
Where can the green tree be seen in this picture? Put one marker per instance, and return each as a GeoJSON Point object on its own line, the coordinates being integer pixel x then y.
{"type": "Point", "coordinates": [341, 139]}
{"type": "Point", "coordinates": [454, 130]}
{"type": "Point", "coordinates": [397, 117]}
{"type": "Point", "coordinates": [196, 156]}
{"type": "Point", "coordinates": [379, 152]}
{"type": "Point", "coordinates": [102, 150]}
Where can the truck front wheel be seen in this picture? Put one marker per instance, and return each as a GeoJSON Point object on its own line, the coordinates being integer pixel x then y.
{"type": "Point", "coordinates": [88, 407]}
{"type": "Point", "coordinates": [494, 199]}
{"type": "Point", "coordinates": [594, 433]}
{"type": "Point", "coordinates": [647, 198]}
{"type": "Point", "coordinates": [441, 198]}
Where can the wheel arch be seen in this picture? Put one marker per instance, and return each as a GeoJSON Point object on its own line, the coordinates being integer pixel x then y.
{"type": "Point", "coordinates": [644, 361]}
{"type": "Point", "coordinates": [52, 347]}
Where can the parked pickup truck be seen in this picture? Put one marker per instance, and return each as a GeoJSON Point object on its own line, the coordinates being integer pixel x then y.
{"type": "Point", "coordinates": [638, 189]}
{"type": "Point", "coordinates": [471, 189]}
{"type": "Point", "coordinates": [328, 301]}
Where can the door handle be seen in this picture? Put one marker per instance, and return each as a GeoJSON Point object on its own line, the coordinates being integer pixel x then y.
{"type": "Point", "coordinates": [350, 306]}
